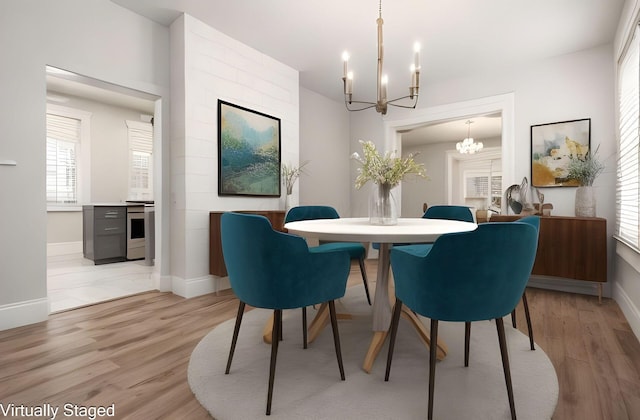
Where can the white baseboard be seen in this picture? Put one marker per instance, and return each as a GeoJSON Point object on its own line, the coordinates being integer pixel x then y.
{"type": "Point", "coordinates": [568, 285]}
{"type": "Point", "coordinates": [163, 283]}
{"type": "Point", "coordinates": [23, 313]}
{"type": "Point", "coordinates": [629, 309]}
{"type": "Point", "coordinates": [64, 248]}
{"type": "Point", "coordinates": [189, 288]}
{"type": "Point", "coordinates": [223, 283]}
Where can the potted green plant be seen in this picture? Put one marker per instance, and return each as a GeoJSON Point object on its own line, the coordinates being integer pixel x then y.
{"type": "Point", "coordinates": [584, 169]}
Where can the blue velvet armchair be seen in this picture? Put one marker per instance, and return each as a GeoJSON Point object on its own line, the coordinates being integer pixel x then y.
{"type": "Point", "coordinates": [275, 270]}
{"type": "Point", "coordinates": [455, 281]}
{"type": "Point", "coordinates": [356, 250]}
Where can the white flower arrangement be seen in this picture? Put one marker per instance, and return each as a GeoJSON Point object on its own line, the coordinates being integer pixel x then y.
{"type": "Point", "coordinates": [290, 175]}
{"type": "Point", "coordinates": [385, 170]}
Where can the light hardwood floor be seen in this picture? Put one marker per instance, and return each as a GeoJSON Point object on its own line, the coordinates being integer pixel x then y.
{"type": "Point", "coordinates": [134, 352]}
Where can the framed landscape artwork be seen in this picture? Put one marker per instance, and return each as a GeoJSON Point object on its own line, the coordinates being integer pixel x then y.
{"type": "Point", "coordinates": [552, 146]}
{"type": "Point", "coordinates": [248, 152]}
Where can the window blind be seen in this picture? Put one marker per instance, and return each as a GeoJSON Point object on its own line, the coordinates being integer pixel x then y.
{"type": "Point", "coordinates": [627, 186]}
{"type": "Point", "coordinates": [140, 159]}
{"type": "Point", "coordinates": [477, 186]}
{"type": "Point", "coordinates": [63, 137]}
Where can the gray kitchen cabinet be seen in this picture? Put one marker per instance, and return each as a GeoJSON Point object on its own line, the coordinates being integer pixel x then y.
{"type": "Point", "coordinates": [104, 233]}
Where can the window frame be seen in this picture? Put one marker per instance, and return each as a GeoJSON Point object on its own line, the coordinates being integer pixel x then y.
{"type": "Point", "coordinates": [83, 157]}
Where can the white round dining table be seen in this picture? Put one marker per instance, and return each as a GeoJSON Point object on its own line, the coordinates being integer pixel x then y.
{"type": "Point", "coordinates": [407, 230]}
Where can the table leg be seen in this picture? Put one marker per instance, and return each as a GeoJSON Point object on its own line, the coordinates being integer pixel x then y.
{"type": "Point", "coordinates": [320, 321]}
{"type": "Point", "coordinates": [424, 334]}
{"type": "Point", "coordinates": [374, 348]}
{"type": "Point", "coordinates": [268, 328]}
{"type": "Point", "coordinates": [381, 308]}
{"type": "Point", "coordinates": [382, 314]}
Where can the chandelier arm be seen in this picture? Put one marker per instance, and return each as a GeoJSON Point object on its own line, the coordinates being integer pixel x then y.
{"type": "Point", "coordinates": [415, 102]}
{"type": "Point", "coordinates": [370, 105]}
{"type": "Point", "coordinates": [361, 102]}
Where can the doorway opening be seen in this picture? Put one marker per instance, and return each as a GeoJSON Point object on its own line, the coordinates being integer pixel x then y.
{"type": "Point", "coordinates": [499, 105]}
{"type": "Point", "coordinates": [101, 142]}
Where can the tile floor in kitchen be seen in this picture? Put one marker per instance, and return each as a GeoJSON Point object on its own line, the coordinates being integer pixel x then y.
{"type": "Point", "coordinates": [74, 281]}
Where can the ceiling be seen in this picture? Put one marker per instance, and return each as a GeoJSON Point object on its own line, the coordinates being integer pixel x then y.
{"type": "Point", "coordinates": [458, 38]}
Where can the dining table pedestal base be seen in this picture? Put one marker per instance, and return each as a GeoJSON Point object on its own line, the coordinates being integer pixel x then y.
{"type": "Point", "coordinates": [320, 321]}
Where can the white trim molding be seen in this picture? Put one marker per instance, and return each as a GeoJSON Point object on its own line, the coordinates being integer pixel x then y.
{"type": "Point", "coordinates": [64, 248]}
{"type": "Point", "coordinates": [198, 286]}
{"type": "Point", "coordinates": [23, 313]}
{"type": "Point", "coordinates": [628, 308]}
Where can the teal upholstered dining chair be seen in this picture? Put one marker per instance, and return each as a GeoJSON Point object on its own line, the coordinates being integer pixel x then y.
{"type": "Point", "coordinates": [275, 270]}
{"type": "Point", "coordinates": [452, 281]}
{"type": "Point", "coordinates": [462, 213]}
{"type": "Point", "coordinates": [356, 250]}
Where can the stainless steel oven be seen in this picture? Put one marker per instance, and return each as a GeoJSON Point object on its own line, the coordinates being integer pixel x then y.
{"type": "Point", "coordinates": [135, 232]}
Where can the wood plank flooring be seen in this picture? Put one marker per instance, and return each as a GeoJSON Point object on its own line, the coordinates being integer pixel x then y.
{"type": "Point", "coordinates": [134, 353]}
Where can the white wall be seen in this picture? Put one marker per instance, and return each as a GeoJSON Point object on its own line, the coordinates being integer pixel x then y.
{"type": "Point", "coordinates": [206, 66]}
{"type": "Point", "coordinates": [97, 39]}
{"type": "Point", "coordinates": [324, 142]}
{"type": "Point", "coordinates": [572, 86]}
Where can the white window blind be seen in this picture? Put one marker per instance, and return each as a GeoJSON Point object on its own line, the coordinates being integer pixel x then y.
{"type": "Point", "coordinates": [63, 138]}
{"type": "Point", "coordinates": [140, 160]}
{"type": "Point", "coordinates": [627, 186]}
{"type": "Point", "coordinates": [477, 186]}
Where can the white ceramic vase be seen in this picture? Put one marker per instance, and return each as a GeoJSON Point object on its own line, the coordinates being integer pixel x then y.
{"type": "Point", "coordinates": [287, 203]}
{"type": "Point", "coordinates": [585, 201]}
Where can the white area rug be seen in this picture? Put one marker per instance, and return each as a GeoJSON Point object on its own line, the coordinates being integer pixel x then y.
{"type": "Point", "coordinates": [307, 382]}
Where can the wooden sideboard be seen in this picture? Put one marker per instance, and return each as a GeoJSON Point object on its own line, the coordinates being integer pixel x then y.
{"type": "Point", "coordinates": [570, 247]}
{"type": "Point", "coordinates": [216, 260]}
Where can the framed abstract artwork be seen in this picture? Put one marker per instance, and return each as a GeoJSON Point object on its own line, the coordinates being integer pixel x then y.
{"type": "Point", "coordinates": [552, 146]}
{"type": "Point", "coordinates": [248, 152]}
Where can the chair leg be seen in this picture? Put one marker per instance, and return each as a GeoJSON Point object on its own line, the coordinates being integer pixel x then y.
{"type": "Point", "coordinates": [467, 339]}
{"type": "Point", "coordinates": [275, 333]}
{"type": "Point", "coordinates": [432, 365]}
{"type": "Point", "coordinates": [395, 320]}
{"type": "Point", "coordinates": [505, 365]}
{"type": "Point", "coordinates": [363, 270]}
{"type": "Point", "coordinates": [513, 318]}
{"type": "Point", "coordinates": [526, 313]}
{"type": "Point", "coordinates": [236, 330]}
{"type": "Point", "coordinates": [304, 327]}
{"type": "Point", "coordinates": [336, 336]}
